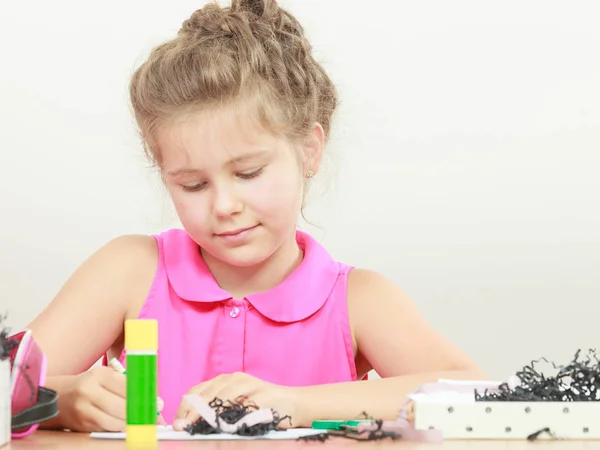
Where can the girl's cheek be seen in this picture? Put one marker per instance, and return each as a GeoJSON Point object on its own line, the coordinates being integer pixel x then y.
{"type": "Point", "coordinates": [276, 192]}
{"type": "Point", "coordinates": [190, 208]}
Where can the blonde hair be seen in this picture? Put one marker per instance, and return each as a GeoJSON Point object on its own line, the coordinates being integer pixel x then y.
{"type": "Point", "coordinates": [253, 53]}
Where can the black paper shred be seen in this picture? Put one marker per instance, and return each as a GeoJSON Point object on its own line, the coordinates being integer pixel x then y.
{"type": "Point", "coordinates": [537, 434]}
{"type": "Point", "coordinates": [7, 345]}
{"type": "Point", "coordinates": [368, 435]}
{"type": "Point", "coordinates": [322, 437]}
{"type": "Point", "coordinates": [575, 382]}
{"type": "Point", "coordinates": [230, 412]}
{"type": "Point", "coordinates": [351, 433]}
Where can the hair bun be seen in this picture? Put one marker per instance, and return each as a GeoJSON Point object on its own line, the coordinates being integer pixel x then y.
{"type": "Point", "coordinates": [208, 19]}
{"type": "Point", "coordinates": [213, 18]}
{"type": "Point", "coordinates": [256, 7]}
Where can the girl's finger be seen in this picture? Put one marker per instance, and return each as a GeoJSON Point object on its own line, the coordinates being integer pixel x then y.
{"type": "Point", "coordinates": [227, 388]}
{"type": "Point", "coordinates": [114, 382]}
{"type": "Point", "coordinates": [106, 421]}
{"type": "Point", "coordinates": [236, 393]}
{"type": "Point", "coordinates": [186, 415]}
{"type": "Point", "coordinates": [224, 387]}
{"type": "Point", "coordinates": [111, 404]}
{"type": "Point", "coordinates": [209, 389]}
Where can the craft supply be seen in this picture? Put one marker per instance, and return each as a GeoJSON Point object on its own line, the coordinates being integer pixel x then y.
{"type": "Point", "coordinates": [374, 431]}
{"type": "Point", "coordinates": [6, 346]}
{"type": "Point", "coordinates": [232, 417]}
{"type": "Point", "coordinates": [578, 381]}
{"type": "Point", "coordinates": [141, 345]}
{"type": "Point", "coordinates": [509, 420]}
{"type": "Point", "coordinates": [116, 365]}
{"type": "Point", "coordinates": [166, 433]}
{"type": "Point", "coordinates": [234, 420]}
{"type": "Point", "coordinates": [248, 420]}
{"type": "Point", "coordinates": [5, 409]}
{"type": "Point", "coordinates": [534, 406]}
{"type": "Point", "coordinates": [359, 430]}
{"type": "Point", "coordinates": [337, 424]}
{"type": "Point", "coordinates": [30, 402]}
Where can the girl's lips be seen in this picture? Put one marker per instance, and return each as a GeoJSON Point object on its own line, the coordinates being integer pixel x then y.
{"type": "Point", "coordinates": [234, 232]}
{"type": "Point", "coordinates": [238, 236]}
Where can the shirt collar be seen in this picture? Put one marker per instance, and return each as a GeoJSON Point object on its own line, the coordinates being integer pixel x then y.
{"type": "Point", "coordinates": [300, 295]}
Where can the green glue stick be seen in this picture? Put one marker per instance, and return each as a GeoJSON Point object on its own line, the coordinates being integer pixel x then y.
{"type": "Point", "coordinates": [116, 365]}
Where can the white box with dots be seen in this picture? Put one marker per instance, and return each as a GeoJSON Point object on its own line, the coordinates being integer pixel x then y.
{"type": "Point", "coordinates": [505, 420]}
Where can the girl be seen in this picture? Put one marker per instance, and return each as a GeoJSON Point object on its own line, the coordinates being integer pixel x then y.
{"type": "Point", "coordinates": [236, 113]}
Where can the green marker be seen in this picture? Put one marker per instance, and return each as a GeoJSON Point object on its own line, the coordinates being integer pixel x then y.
{"type": "Point", "coordinates": [141, 345]}
{"type": "Point", "coordinates": [337, 424]}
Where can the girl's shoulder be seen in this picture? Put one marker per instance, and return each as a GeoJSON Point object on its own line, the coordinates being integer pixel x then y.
{"type": "Point", "coordinates": [135, 245]}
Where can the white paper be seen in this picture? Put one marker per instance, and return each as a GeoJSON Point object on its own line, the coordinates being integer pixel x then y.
{"type": "Point", "coordinates": [166, 433]}
{"type": "Point", "coordinates": [444, 397]}
{"type": "Point", "coordinates": [456, 391]}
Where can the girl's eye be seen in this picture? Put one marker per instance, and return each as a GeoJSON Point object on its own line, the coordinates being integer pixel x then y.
{"type": "Point", "coordinates": [243, 175]}
{"type": "Point", "coordinates": [193, 188]}
{"type": "Point", "coordinates": [250, 175]}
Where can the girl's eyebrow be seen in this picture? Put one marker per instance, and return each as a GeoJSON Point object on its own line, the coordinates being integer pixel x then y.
{"type": "Point", "coordinates": [180, 172]}
{"type": "Point", "coordinates": [248, 155]}
{"type": "Point", "coordinates": [235, 160]}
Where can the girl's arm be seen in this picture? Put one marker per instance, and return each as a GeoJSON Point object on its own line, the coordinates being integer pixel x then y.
{"type": "Point", "coordinates": [86, 317]}
{"type": "Point", "coordinates": [398, 343]}
{"type": "Point", "coordinates": [82, 322]}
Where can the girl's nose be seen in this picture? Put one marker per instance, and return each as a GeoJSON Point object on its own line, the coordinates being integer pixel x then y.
{"type": "Point", "coordinates": [226, 202]}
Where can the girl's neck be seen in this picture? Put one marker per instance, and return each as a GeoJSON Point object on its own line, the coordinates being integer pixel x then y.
{"type": "Point", "coordinates": [243, 281]}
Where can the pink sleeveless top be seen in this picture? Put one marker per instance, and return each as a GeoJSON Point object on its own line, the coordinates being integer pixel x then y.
{"type": "Point", "coordinates": [296, 334]}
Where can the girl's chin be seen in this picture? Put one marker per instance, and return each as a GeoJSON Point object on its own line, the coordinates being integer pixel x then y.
{"type": "Point", "coordinates": [244, 256]}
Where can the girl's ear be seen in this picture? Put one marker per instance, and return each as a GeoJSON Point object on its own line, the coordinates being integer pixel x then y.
{"type": "Point", "coordinates": [313, 147]}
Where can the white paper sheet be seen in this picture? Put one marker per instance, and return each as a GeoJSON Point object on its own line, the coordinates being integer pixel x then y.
{"type": "Point", "coordinates": [166, 433]}
{"type": "Point", "coordinates": [456, 391]}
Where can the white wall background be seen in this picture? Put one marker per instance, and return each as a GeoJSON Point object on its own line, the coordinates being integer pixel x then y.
{"type": "Point", "coordinates": [464, 166]}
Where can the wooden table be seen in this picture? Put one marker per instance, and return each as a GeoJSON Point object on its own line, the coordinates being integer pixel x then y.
{"type": "Point", "coordinates": [60, 440]}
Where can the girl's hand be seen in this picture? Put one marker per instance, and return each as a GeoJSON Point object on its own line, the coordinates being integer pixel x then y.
{"type": "Point", "coordinates": [238, 386]}
{"type": "Point", "coordinates": [95, 401]}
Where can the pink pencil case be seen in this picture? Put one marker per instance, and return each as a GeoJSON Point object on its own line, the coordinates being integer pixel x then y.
{"type": "Point", "coordinates": [31, 403]}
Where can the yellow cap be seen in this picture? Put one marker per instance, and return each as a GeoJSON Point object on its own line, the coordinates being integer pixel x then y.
{"type": "Point", "coordinates": [141, 334]}
{"type": "Point", "coordinates": [140, 435]}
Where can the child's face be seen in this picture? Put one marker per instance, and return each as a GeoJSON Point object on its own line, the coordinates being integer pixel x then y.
{"type": "Point", "coordinates": [237, 189]}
